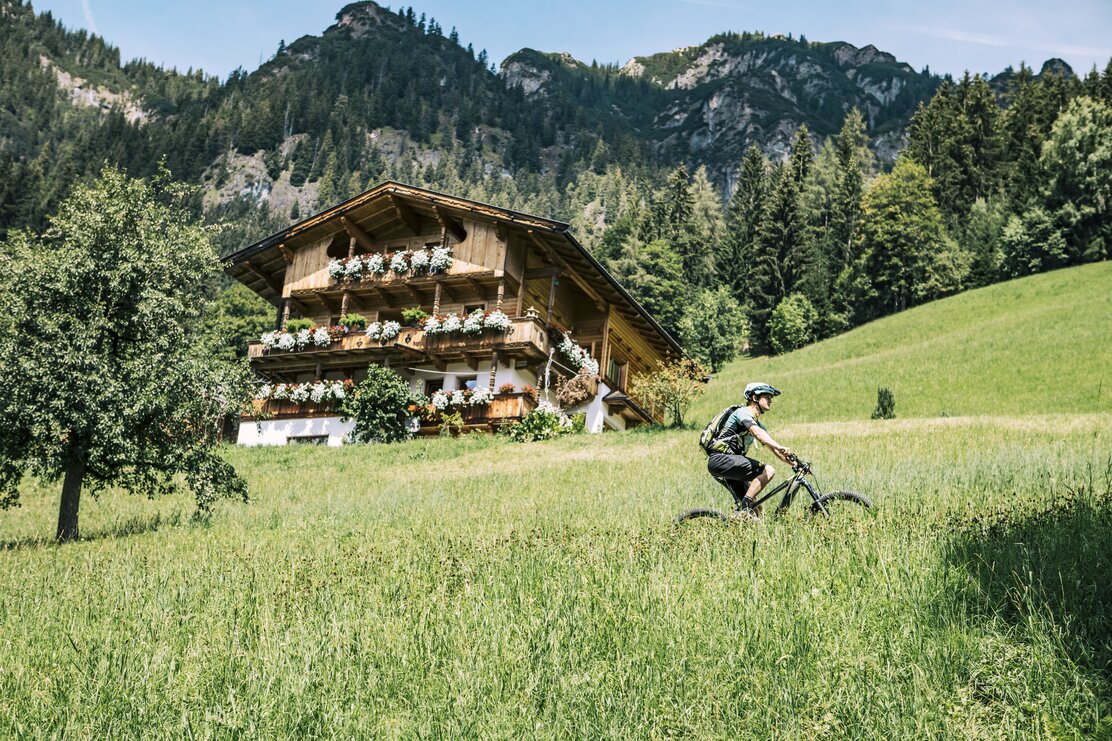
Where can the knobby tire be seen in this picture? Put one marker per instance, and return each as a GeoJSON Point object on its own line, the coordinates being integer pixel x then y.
{"type": "Point", "coordinates": [840, 496]}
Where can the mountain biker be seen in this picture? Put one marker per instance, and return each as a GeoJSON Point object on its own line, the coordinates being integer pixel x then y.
{"type": "Point", "coordinates": [743, 475]}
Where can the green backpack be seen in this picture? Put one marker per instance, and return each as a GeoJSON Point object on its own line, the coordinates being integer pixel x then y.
{"type": "Point", "coordinates": [708, 439]}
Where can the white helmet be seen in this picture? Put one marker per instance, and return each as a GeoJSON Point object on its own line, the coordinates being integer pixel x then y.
{"type": "Point", "coordinates": [759, 387]}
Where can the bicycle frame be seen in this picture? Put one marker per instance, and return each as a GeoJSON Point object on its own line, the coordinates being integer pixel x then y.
{"type": "Point", "coordinates": [799, 478]}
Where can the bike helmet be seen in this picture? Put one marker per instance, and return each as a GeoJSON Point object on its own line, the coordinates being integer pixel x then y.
{"type": "Point", "coordinates": [757, 388]}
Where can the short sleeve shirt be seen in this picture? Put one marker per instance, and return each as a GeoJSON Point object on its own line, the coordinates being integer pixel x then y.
{"type": "Point", "coordinates": [736, 430]}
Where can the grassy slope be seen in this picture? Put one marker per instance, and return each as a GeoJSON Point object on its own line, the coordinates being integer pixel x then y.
{"type": "Point", "coordinates": [475, 588]}
{"type": "Point", "coordinates": [984, 352]}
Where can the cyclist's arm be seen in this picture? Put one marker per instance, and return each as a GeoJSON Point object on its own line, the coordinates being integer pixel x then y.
{"type": "Point", "coordinates": [765, 439]}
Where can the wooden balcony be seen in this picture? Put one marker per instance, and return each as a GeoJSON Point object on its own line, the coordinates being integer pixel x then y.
{"type": "Point", "coordinates": [503, 409]}
{"type": "Point", "coordinates": [525, 339]}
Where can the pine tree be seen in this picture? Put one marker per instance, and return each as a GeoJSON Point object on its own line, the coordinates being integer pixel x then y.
{"type": "Point", "coordinates": [737, 248]}
{"type": "Point", "coordinates": [784, 254]}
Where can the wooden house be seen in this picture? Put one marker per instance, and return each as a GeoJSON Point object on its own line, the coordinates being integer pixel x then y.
{"type": "Point", "coordinates": [513, 301]}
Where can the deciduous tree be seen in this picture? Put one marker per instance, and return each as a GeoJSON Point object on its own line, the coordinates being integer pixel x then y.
{"type": "Point", "coordinates": [107, 383]}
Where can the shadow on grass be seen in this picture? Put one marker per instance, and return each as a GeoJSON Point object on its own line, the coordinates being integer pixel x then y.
{"type": "Point", "coordinates": [122, 528]}
{"type": "Point", "coordinates": [1047, 566]}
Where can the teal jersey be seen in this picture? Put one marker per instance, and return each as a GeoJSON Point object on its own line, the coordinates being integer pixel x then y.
{"type": "Point", "coordinates": [735, 430]}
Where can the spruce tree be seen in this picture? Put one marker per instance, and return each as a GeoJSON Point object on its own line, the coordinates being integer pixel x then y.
{"type": "Point", "coordinates": [784, 255]}
{"type": "Point", "coordinates": [739, 245]}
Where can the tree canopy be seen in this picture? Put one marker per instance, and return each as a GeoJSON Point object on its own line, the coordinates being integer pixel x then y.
{"type": "Point", "coordinates": [108, 382]}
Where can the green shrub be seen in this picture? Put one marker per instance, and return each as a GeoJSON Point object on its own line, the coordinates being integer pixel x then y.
{"type": "Point", "coordinates": [414, 316]}
{"type": "Point", "coordinates": [885, 404]}
{"type": "Point", "coordinates": [296, 325]}
{"type": "Point", "coordinates": [792, 324]}
{"type": "Point", "coordinates": [542, 423]}
{"type": "Point", "coordinates": [353, 321]}
{"type": "Point", "coordinates": [379, 406]}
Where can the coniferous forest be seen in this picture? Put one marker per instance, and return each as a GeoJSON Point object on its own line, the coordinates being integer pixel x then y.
{"type": "Point", "coordinates": [756, 244]}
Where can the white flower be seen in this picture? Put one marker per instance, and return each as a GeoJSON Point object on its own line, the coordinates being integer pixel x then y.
{"type": "Point", "coordinates": [303, 338]}
{"type": "Point", "coordinates": [269, 340]}
{"type": "Point", "coordinates": [390, 330]}
{"type": "Point", "coordinates": [317, 392]}
{"type": "Point", "coordinates": [336, 269]}
{"type": "Point", "coordinates": [337, 390]}
{"type": "Point", "coordinates": [439, 399]}
{"type": "Point", "coordinates": [353, 268]}
{"type": "Point", "coordinates": [285, 341]}
{"type": "Point", "coordinates": [451, 323]}
{"type": "Point", "coordinates": [375, 264]}
{"type": "Point", "coordinates": [399, 263]}
{"type": "Point", "coordinates": [419, 260]}
{"type": "Point", "coordinates": [263, 392]}
{"type": "Point", "coordinates": [321, 337]}
{"type": "Point", "coordinates": [458, 398]}
{"type": "Point", "coordinates": [473, 324]}
{"type": "Point", "coordinates": [481, 396]}
{"type": "Point", "coordinates": [441, 259]}
{"type": "Point", "coordinates": [299, 392]}
{"type": "Point", "coordinates": [497, 320]}
{"type": "Point", "coordinates": [374, 331]}
{"type": "Point", "coordinates": [432, 325]}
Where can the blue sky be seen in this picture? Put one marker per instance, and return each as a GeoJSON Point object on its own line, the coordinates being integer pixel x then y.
{"type": "Point", "coordinates": [948, 35]}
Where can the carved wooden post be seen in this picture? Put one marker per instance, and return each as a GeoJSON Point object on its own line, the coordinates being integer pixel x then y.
{"type": "Point", "coordinates": [493, 369]}
{"type": "Point", "coordinates": [551, 299]}
{"type": "Point", "coordinates": [501, 292]}
{"type": "Point", "coordinates": [436, 300]}
{"type": "Point", "coordinates": [285, 313]}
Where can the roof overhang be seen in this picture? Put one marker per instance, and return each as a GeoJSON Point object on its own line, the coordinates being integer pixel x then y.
{"type": "Point", "coordinates": [262, 265]}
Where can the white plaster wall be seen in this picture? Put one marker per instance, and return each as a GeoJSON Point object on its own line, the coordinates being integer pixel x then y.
{"type": "Point", "coordinates": [597, 412]}
{"type": "Point", "coordinates": [278, 431]}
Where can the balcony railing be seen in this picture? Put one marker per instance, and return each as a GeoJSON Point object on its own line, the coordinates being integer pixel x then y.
{"type": "Point", "coordinates": [526, 337]}
{"type": "Point", "coordinates": [503, 409]}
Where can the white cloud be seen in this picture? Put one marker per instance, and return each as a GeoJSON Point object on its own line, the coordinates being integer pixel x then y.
{"type": "Point", "coordinates": [89, 20]}
{"type": "Point", "coordinates": [985, 39]}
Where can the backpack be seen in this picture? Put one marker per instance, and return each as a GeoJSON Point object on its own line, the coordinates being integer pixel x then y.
{"type": "Point", "coordinates": [708, 439]}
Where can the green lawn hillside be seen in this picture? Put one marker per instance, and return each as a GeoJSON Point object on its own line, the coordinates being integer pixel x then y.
{"type": "Point", "coordinates": [992, 351]}
{"type": "Point", "coordinates": [478, 588]}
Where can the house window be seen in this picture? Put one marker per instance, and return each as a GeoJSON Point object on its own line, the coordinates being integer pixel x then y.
{"type": "Point", "coordinates": [433, 385]}
{"type": "Point", "coordinates": [614, 373]}
{"type": "Point", "coordinates": [307, 440]}
{"type": "Point", "coordinates": [468, 308]}
{"type": "Point", "coordinates": [471, 382]}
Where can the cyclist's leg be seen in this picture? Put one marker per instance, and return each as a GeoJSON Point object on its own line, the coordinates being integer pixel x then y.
{"type": "Point", "coordinates": [760, 481]}
{"type": "Point", "coordinates": [738, 472]}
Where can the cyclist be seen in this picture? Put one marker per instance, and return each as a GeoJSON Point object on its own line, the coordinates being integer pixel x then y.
{"type": "Point", "coordinates": [746, 476]}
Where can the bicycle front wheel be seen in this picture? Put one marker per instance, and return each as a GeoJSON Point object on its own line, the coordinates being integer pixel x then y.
{"type": "Point", "coordinates": [830, 503]}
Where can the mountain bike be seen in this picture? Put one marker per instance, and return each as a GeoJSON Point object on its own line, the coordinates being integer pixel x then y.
{"type": "Point", "coordinates": [821, 504]}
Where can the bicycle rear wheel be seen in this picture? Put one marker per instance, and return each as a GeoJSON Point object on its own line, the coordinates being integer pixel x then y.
{"type": "Point", "coordinates": [833, 502]}
{"type": "Point", "coordinates": [696, 513]}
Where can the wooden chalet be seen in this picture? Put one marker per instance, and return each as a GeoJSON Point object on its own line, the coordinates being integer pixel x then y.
{"type": "Point", "coordinates": [526, 267]}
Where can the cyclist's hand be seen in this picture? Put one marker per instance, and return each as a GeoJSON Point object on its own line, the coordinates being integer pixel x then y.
{"type": "Point", "coordinates": [786, 452]}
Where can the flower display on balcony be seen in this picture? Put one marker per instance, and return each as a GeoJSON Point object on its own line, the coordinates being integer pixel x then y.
{"type": "Point", "coordinates": [579, 358]}
{"type": "Point", "coordinates": [383, 331]}
{"type": "Point", "coordinates": [318, 392]}
{"type": "Point", "coordinates": [461, 398]}
{"type": "Point", "coordinates": [430, 260]}
{"type": "Point", "coordinates": [475, 323]}
{"type": "Point", "coordinates": [302, 338]}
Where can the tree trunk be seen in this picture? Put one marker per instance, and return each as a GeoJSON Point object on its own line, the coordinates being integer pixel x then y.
{"type": "Point", "coordinates": [71, 499]}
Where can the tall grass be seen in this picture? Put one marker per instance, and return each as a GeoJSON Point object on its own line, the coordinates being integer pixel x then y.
{"type": "Point", "coordinates": [481, 588]}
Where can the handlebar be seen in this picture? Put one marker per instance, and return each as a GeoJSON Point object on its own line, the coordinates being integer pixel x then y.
{"type": "Point", "coordinates": [798, 464]}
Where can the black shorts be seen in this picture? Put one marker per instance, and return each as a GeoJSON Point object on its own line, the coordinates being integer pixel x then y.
{"type": "Point", "coordinates": [734, 467]}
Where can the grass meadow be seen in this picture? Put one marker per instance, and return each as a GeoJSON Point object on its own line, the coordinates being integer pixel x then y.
{"type": "Point", "coordinates": [476, 588]}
